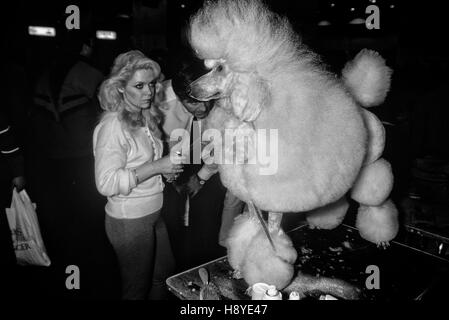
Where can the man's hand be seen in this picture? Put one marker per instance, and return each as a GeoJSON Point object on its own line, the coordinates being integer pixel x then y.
{"type": "Point", "coordinates": [18, 183]}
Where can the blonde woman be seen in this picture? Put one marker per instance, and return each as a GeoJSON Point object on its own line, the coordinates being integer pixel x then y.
{"type": "Point", "coordinates": [128, 169]}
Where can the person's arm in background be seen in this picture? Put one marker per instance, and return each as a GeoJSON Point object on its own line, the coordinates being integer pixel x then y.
{"type": "Point", "coordinates": [12, 153]}
{"type": "Point", "coordinates": [174, 119]}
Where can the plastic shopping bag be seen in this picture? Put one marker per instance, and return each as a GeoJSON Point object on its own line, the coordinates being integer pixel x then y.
{"type": "Point", "coordinates": [24, 226]}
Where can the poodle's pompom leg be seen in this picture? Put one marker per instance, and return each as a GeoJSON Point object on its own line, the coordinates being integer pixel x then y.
{"type": "Point", "coordinates": [274, 221]}
{"type": "Point", "coordinates": [378, 224]}
{"type": "Point", "coordinates": [263, 264]}
{"type": "Point", "coordinates": [328, 217]}
{"type": "Point", "coordinates": [374, 183]}
{"type": "Point", "coordinates": [245, 227]}
{"type": "Point", "coordinates": [368, 78]}
{"type": "Point", "coordinates": [376, 137]}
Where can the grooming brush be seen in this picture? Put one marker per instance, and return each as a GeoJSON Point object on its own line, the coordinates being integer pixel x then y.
{"type": "Point", "coordinates": [209, 291]}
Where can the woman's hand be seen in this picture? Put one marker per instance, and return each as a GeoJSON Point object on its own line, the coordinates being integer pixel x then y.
{"type": "Point", "coordinates": [170, 165]}
{"type": "Point", "coordinates": [176, 157]}
{"type": "Point", "coordinates": [171, 177]}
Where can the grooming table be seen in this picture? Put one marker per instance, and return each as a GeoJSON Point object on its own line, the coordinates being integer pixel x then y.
{"type": "Point", "coordinates": [406, 273]}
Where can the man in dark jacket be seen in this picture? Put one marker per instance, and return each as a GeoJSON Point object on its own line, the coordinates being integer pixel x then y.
{"type": "Point", "coordinates": [193, 202]}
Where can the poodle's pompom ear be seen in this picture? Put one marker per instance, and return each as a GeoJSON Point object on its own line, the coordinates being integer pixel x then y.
{"type": "Point", "coordinates": [374, 183]}
{"type": "Point", "coordinates": [248, 97]}
{"type": "Point", "coordinates": [376, 137]}
{"type": "Point", "coordinates": [328, 217]}
{"type": "Point", "coordinates": [378, 224]}
{"type": "Point", "coordinates": [368, 78]}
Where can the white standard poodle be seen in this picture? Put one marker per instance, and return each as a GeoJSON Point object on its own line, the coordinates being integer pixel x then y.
{"type": "Point", "coordinates": [327, 145]}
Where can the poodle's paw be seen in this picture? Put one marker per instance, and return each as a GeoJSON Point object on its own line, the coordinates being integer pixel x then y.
{"type": "Point", "coordinates": [383, 244]}
{"type": "Point", "coordinates": [322, 225]}
{"type": "Point", "coordinates": [328, 217]}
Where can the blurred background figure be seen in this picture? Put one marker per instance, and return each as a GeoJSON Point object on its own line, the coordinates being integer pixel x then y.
{"type": "Point", "coordinates": [63, 115]}
{"type": "Point", "coordinates": [11, 176]}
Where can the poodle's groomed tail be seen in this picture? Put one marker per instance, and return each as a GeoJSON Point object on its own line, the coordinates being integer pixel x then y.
{"type": "Point", "coordinates": [368, 78]}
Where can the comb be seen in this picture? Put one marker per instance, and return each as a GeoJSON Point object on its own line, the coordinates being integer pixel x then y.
{"type": "Point", "coordinates": [209, 291]}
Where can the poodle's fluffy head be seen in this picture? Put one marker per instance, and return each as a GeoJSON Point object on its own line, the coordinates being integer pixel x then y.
{"type": "Point", "coordinates": [245, 46]}
{"type": "Point", "coordinates": [245, 93]}
{"type": "Point", "coordinates": [244, 35]}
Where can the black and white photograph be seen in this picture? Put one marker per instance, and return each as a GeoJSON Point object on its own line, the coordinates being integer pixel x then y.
{"type": "Point", "coordinates": [232, 150]}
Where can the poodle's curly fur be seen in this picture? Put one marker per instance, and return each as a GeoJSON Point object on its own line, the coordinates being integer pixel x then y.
{"type": "Point", "coordinates": [265, 78]}
{"type": "Point", "coordinates": [269, 78]}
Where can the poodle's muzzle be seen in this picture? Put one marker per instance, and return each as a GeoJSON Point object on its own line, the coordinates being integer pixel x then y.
{"type": "Point", "coordinates": [212, 85]}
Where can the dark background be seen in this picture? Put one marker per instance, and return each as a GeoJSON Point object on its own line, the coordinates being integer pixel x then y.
{"type": "Point", "coordinates": [408, 32]}
{"type": "Point", "coordinates": [411, 38]}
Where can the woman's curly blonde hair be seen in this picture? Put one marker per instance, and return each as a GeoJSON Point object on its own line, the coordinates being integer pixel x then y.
{"type": "Point", "coordinates": [111, 99]}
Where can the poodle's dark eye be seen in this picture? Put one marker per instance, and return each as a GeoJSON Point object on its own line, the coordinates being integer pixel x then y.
{"type": "Point", "coordinates": [220, 68]}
